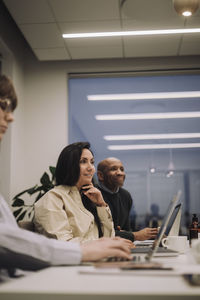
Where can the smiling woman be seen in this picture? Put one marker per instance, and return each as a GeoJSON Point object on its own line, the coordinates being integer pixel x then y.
{"type": "Point", "coordinates": [74, 209]}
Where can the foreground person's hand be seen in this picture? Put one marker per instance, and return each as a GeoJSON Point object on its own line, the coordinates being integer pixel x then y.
{"type": "Point", "coordinates": [126, 241]}
{"type": "Point", "coordinates": [145, 234]}
{"type": "Point", "coordinates": [104, 248]}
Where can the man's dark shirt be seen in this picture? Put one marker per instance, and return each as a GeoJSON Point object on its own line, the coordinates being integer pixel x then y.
{"type": "Point", "coordinates": [120, 204]}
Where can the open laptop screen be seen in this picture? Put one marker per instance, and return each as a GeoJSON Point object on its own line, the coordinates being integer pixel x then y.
{"type": "Point", "coordinates": [165, 223]}
{"type": "Point", "coordinates": [174, 224]}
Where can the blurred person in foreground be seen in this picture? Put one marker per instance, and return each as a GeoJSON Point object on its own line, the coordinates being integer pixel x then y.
{"type": "Point", "coordinates": [111, 176]}
{"type": "Point", "coordinates": [27, 250]}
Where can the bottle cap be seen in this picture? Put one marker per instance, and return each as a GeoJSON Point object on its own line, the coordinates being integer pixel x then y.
{"type": "Point", "coordinates": [194, 218]}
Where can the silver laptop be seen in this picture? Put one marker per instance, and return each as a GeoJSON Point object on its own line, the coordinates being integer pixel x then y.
{"type": "Point", "coordinates": [173, 228]}
{"type": "Point", "coordinates": [155, 250]}
{"type": "Point", "coordinates": [175, 221]}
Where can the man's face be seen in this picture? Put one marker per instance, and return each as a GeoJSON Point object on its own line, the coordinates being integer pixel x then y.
{"type": "Point", "coordinates": [114, 174]}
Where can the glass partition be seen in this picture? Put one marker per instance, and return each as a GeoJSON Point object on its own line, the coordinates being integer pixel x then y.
{"type": "Point", "coordinates": [152, 124]}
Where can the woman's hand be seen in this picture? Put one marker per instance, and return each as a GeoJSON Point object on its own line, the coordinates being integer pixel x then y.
{"type": "Point", "coordinates": [93, 194]}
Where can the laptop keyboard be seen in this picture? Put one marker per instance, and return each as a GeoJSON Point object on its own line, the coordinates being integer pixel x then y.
{"type": "Point", "coordinates": [146, 250]}
{"type": "Point", "coordinates": [144, 246]}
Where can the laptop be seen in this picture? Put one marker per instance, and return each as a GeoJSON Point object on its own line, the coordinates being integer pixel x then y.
{"type": "Point", "coordinates": [172, 228]}
{"type": "Point", "coordinates": [154, 249]}
{"type": "Point", "coordinates": [142, 261]}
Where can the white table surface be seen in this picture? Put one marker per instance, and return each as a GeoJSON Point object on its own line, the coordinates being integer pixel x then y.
{"type": "Point", "coordinates": [86, 282]}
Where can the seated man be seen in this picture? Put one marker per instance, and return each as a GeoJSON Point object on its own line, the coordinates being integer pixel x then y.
{"type": "Point", "coordinates": [26, 250]}
{"type": "Point", "coordinates": [111, 176]}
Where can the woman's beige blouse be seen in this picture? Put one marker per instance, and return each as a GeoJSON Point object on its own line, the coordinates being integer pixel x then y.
{"type": "Point", "coordinates": [61, 214]}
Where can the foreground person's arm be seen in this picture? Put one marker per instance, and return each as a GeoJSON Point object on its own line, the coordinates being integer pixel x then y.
{"type": "Point", "coordinates": [26, 245]}
{"type": "Point", "coordinates": [37, 246]}
{"type": "Point", "coordinates": [32, 245]}
{"type": "Point", "coordinates": [106, 247]}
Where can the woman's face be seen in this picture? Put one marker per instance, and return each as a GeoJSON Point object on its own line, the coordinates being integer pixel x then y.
{"type": "Point", "coordinates": [87, 168]}
{"type": "Point", "coordinates": [6, 116]}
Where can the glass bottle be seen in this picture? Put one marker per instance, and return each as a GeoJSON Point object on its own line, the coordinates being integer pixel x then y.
{"type": "Point", "coordinates": [193, 229]}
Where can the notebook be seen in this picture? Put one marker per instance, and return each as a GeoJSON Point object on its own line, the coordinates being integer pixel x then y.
{"type": "Point", "coordinates": [155, 250]}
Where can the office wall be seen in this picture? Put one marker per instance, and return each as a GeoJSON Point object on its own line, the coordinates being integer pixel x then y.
{"type": "Point", "coordinates": [45, 117]}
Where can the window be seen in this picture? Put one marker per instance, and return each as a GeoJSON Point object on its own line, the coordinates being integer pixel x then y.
{"type": "Point", "coordinates": [165, 105]}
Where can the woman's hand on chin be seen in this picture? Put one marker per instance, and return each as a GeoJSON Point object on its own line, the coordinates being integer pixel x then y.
{"type": "Point", "coordinates": [93, 194]}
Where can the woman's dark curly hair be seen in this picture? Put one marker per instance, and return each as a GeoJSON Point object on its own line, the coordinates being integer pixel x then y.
{"type": "Point", "coordinates": [68, 165]}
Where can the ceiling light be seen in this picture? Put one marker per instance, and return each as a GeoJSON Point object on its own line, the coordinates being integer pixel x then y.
{"type": "Point", "coordinates": [149, 116]}
{"type": "Point", "coordinates": [171, 164]}
{"type": "Point", "coordinates": [144, 96]}
{"type": "Point", "coordinates": [152, 170]}
{"type": "Point", "coordinates": [169, 173]}
{"type": "Point", "coordinates": [186, 8]}
{"type": "Point", "coordinates": [154, 146]}
{"type": "Point", "coordinates": [129, 33]}
{"type": "Point", "coordinates": [187, 13]}
{"type": "Point", "coordinates": [151, 136]}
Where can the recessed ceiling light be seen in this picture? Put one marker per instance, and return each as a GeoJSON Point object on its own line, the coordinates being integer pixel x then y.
{"type": "Point", "coordinates": [129, 33]}
{"type": "Point", "coordinates": [151, 136]}
{"type": "Point", "coordinates": [144, 96]}
{"type": "Point", "coordinates": [154, 146]}
{"type": "Point", "coordinates": [186, 7]}
{"type": "Point", "coordinates": [187, 13]}
{"type": "Point", "coordinates": [149, 116]}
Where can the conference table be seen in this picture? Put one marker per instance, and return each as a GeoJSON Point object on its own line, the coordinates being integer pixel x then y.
{"type": "Point", "coordinates": [89, 282]}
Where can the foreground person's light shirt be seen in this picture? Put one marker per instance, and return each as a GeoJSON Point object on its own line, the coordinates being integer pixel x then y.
{"type": "Point", "coordinates": [35, 245]}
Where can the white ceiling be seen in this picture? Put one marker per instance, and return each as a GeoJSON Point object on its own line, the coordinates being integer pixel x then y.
{"type": "Point", "coordinates": [43, 22]}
